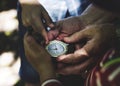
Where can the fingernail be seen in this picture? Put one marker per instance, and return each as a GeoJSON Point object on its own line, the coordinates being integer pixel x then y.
{"type": "Point", "coordinates": [46, 42]}
{"type": "Point", "coordinates": [60, 58]}
{"type": "Point", "coordinates": [66, 39]}
{"type": "Point", "coordinates": [51, 25]}
{"type": "Point", "coordinates": [84, 52]}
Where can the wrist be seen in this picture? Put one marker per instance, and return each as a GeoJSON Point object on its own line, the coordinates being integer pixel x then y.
{"type": "Point", "coordinates": [47, 75]}
{"type": "Point", "coordinates": [46, 71]}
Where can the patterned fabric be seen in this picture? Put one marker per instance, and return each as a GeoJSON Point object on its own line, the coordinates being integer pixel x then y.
{"type": "Point", "coordinates": [107, 72]}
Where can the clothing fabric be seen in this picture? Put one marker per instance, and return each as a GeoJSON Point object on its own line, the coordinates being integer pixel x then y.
{"type": "Point", "coordinates": [57, 9]}
{"type": "Point", "coordinates": [107, 71]}
{"type": "Point", "coordinates": [110, 5]}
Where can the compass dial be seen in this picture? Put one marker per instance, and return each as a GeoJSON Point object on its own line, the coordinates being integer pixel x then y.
{"type": "Point", "coordinates": [56, 48]}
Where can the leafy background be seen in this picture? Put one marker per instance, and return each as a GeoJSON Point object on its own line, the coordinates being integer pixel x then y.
{"type": "Point", "coordinates": [9, 57]}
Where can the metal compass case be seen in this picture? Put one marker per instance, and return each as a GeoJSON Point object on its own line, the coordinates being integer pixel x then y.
{"type": "Point", "coordinates": [57, 48]}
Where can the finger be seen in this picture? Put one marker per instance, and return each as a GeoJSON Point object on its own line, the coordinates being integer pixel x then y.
{"type": "Point", "coordinates": [66, 58]}
{"type": "Point", "coordinates": [47, 18]}
{"type": "Point", "coordinates": [59, 25]}
{"type": "Point", "coordinates": [52, 34]}
{"type": "Point", "coordinates": [33, 51]}
{"type": "Point", "coordinates": [78, 46]}
{"type": "Point", "coordinates": [77, 56]}
{"type": "Point", "coordinates": [39, 27]}
{"type": "Point", "coordinates": [76, 69]}
{"type": "Point", "coordinates": [75, 37]}
{"type": "Point", "coordinates": [91, 47]}
{"type": "Point", "coordinates": [26, 22]}
{"type": "Point", "coordinates": [26, 46]}
{"type": "Point", "coordinates": [61, 36]}
{"type": "Point", "coordinates": [60, 65]}
{"type": "Point", "coordinates": [30, 43]}
{"type": "Point", "coordinates": [86, 33]}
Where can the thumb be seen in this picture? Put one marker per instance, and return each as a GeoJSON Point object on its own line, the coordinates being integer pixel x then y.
{"type": "Point", "coordinates": [45, 35]}
{"type": "Point", "coordinates": [47, 18]}
{"type": "Point", "coordinates": [30, 43]}
{"type": "Point", "coordinates": [75, 37]}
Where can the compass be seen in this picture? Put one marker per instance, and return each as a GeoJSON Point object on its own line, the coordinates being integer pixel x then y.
{"type": "Point", "coordinates": [56, 48]}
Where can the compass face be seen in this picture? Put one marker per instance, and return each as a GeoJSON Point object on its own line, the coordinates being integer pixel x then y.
{"type": "Point", "coordinates": [56, 48]}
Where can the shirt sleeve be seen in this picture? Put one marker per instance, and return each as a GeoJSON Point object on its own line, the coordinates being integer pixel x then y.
{"type": "Point", "coordinates": [110, 5]}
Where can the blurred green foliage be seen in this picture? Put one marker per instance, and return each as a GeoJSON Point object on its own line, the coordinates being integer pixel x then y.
{"type": "Point", "coordinates": [9, 42]}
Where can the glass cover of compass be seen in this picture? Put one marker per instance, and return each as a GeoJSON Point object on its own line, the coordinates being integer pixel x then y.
{"type": "Point", "coordinates": [57, 48]}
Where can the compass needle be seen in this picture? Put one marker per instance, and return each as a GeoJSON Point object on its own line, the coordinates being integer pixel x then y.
{"type": "Point", "coordinates": [56, 48]}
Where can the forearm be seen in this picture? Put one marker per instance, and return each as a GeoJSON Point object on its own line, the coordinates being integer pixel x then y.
{"type": "Point", "coordinates": [47, 74]}
{"type": "Point", "coordinates": [94, 14]}
{"type": "Point", "coordinates": [110, 5]}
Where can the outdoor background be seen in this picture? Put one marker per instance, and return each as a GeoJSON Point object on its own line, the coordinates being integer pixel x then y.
{"type": "Point", "coordinates": [9, 57]}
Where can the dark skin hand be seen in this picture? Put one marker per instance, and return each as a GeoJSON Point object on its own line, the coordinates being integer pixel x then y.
{"type": "Point", "coordinates": [39, 58]}
{"type": "Point", "coordinates": [80, 60]}
{"type": "Point", "coordinates": [99, 38]}
{"type": "Point", "coordinates": [70, 25]}
{"type": "Point", "coordinates": [35, 15]}
{"type": "Point", "coordinates": [85, 51]}
{"type": "Point", "coordinates": [63, 29]}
